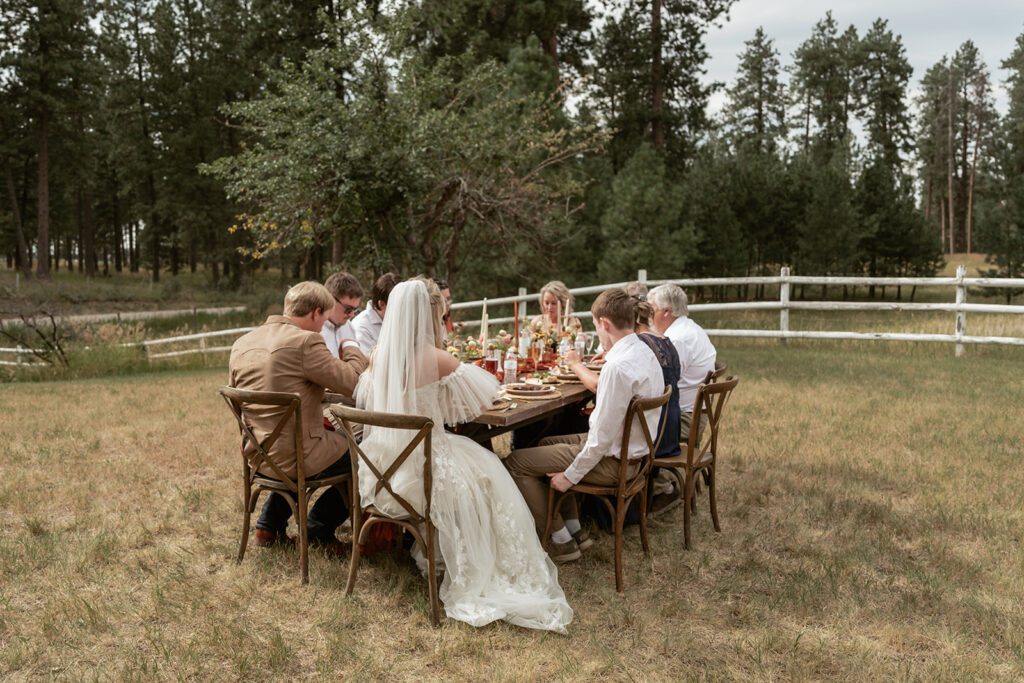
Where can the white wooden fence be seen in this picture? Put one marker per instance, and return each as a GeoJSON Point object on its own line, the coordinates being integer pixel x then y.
{"type": "Point", "coordinates": [959, 307]}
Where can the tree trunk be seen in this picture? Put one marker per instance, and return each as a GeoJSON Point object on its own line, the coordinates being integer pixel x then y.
{"type": "Point", "coordinates": [154, 250]}
{"type": "Point", "coordinates": [970, 187]}
{"type": "Point", "coordinates": [118, 237]}
{"type": "Point", "coordinates": [951, 214]}
{"type": "Point", "coordinates": [175, 255]}
{"type": "Point", "coordinates": [657, 79]}
{"type": "Point", "coordinates": [43, 196]}
{"type": "Point", "coordinates": [21, 255]}
{"type": "Point", "coordinates": [337, 247]}
{"type": "Point", "coordinates": [88, 246]}
{"type": "Point", "coordinates": [551, 49]}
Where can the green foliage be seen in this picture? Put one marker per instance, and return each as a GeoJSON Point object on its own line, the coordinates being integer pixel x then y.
{"type": "Point", "coordinates": [641, 223]}
{"type": "Point", "coordinates": [413, 162]}
{"type": "Point", "coordinates": [831, 230]}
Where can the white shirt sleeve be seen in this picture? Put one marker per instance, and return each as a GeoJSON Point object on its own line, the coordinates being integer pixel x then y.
{"type": "Point", "coordinates": [614, 392]}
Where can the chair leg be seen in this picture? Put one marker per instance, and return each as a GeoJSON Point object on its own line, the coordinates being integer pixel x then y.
{"type": "Point", "coordinates": [688, 496]}
{"type": "Point", "coordinates": [620, 518]}
{"type": "Point", "coordinates": [435, 606]}
{"type": "Point", "coordinates": [711, 497]}
{"type": "Point", "coordinates": [246, 519]}
{"type": "Point", "coordinates": [643, 520]}
{"type": "Point", "coordinates": [358, 526]}
{"type": "Point", "coordinates": [303, 537]}
{"type": "Point", "coordinates": [545, 539]}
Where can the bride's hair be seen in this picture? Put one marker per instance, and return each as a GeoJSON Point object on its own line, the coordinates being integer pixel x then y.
{"type": "Point", "coordinates": [437, 308]}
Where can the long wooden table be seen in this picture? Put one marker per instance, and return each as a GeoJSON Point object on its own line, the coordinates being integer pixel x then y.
{"type": "Point", "coordinates": [491, 423]}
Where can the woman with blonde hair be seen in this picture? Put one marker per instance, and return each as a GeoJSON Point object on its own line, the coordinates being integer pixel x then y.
{"type": "Point", "coordinates": [555, 301]}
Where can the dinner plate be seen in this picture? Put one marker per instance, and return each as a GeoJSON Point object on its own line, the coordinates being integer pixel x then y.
{"type": "Point", "coordinates": [524, 389]}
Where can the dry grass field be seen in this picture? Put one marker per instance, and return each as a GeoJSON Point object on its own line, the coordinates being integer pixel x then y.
{"type": "Point", "coordinates": [871, 513]}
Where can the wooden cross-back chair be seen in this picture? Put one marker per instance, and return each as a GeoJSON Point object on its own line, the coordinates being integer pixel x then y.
{"type": "Point", "coordinates": [413, 520]}
{"type": "Point", "coordinates": [254, 483]}
{"type": "Point", "coordinates": [626, 488]}
{"type": "Point", "coordinates": [700, 455]}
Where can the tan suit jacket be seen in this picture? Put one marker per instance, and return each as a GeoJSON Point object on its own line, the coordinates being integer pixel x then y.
{"type": "Point", "coordinates": [281, 356]}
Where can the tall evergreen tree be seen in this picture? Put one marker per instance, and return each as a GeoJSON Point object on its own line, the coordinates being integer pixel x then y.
{"type": "Point", "coordinates": [755, 115]}
{"type": "Point", "coordinates": [823, 73]}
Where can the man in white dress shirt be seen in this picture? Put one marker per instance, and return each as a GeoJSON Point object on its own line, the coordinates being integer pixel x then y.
{"type": "Point", "coordinates": [630, 369]}
{"type": "Point", "coordinates": [696, 352]}
{"type": "Point", "coordinates": [348, 295]}
{"type": "Point", "coordinates": [367, 324]}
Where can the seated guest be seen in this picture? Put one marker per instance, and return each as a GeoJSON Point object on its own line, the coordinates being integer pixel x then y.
{"type": "Point", "coordinates": [287, 354]}
{"type": "Point", "coordinates": [631, 369]}
{"type": "Point", "coordinates": [446, 293]}
{"type": "Point", "coordinates": [555, 299]}
{"type": "Point", "coordinates": [348, 294]}
{"type": "Point", "coordinates": [696, 352]}
{"type": "Point", "coordinates": [668, 358]}
{"type": "Point", "coordinates": [367, 324]}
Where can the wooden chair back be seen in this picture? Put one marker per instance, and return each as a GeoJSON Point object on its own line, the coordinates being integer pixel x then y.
{"type": "Point", "coordinates": [717, 373]}
{"type": "Point", "coordinates": [635, 414]}
{"type": "Point", "coordinates": [238, 400]}
{"type": "Point", "coordinates": [710, 401]}
{"type": "Point", "coordinates": [421, 426]}
{"type": "Point", "coordinates": [416, 523]}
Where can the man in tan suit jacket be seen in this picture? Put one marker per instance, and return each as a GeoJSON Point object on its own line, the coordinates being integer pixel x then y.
{"type": "Point", "coordinates": [287, 353]}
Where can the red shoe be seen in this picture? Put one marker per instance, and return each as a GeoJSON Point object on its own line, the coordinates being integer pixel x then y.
{"type": "Point", "coordinates": [269, 539]}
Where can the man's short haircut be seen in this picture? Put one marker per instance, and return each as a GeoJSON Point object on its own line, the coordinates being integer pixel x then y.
{"type": "Point", "coordinates": [344, 285]}
{"type": "Point", "coordinates": [305, 297]}
{"type": "Point", "coordinates": [616, 306]}
{"type": "Point", "coordinates": [670, 297]}
{"type": "Point", "coordinates": [382, 288]}
{"type": "Point", "coordinates": [442, 284]}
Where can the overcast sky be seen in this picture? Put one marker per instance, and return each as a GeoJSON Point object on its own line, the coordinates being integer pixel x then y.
{"type": "Point", "coordinates": [930, 29]}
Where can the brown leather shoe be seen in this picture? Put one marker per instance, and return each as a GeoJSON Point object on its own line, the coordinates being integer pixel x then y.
{"type": "Point", "coordinates": [665, 502]}
{"type": "Point", "coordinates": [268, 539]}
{"type": "Point", "coordinates": [564, 552]}
{"type": "Point", "coordinates": [583, 539]}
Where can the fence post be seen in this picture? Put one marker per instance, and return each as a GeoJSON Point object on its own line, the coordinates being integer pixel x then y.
{"type": "Point", "coordinates": [202, 348]}
{"type": "Point", "coordinates": [641, 276]}
{"type": "Point", "coordinates": [784, 301]}
{"type": "Point", "coordinates": [961, 316]}
{"type": "Point", "coordinates": [522, 307]}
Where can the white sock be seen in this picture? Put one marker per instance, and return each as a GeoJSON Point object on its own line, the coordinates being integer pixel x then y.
{"type": "Point", "coordinates": [573, 525]}
{"type": "Point", "coordinates": [561, 536]}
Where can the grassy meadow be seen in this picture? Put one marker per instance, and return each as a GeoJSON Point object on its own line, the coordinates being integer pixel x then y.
{"type": "Point", "coordinates": [870, 504]}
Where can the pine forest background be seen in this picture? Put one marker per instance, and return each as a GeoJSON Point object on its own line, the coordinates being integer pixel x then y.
{"type": "Point", "coordinates": [493, 143]}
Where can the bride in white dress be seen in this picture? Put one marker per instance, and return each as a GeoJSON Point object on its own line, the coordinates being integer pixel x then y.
{"type": "Point", "coordinates": [495, 567]}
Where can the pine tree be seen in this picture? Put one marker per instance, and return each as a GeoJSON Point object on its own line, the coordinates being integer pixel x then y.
{"type": "Point", "coordinates": [641, 226]}
{"type": "Point", "coordinates": [823, 73]}
{"type": "Point", "coordinates": [756, 111]}
{"type": "Point", "coordinates": [1003, 235]}
{"type": "Point", "coordinates": [882, 77]}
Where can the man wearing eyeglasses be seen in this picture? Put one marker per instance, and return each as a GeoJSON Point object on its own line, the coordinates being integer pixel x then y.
{"type": "Point", "coordinates": [348, 295]}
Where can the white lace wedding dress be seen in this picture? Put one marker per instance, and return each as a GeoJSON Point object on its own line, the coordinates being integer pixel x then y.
{"type": "Point", "coordinates": [495, 567]}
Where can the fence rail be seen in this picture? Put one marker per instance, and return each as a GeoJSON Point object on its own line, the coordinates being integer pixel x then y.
{"type": "Point", "coordinates": [959, 307]}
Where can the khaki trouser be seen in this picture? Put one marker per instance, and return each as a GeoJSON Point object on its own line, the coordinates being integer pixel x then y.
{"type": "Point", "coordinates": [530, 467]}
